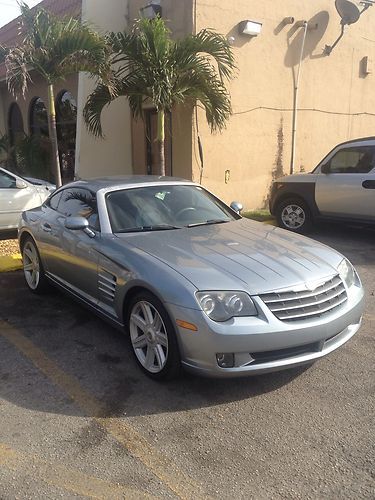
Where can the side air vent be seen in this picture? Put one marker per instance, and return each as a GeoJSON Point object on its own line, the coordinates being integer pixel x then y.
{"type": "Point", "coordinates": [107, 286]}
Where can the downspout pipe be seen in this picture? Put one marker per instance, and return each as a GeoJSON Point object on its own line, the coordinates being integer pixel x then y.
{"type": "Point", "coordinates": [304, 25]}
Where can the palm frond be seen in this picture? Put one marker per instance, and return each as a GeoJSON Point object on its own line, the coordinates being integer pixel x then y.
{"type": "Point", "coordinates": [18, 76]}
{"type": "Point", "coordinates": [130, 86]}
{"type": "Point", "coordinates": [206, 42]}
{"type": "Point", "coordinates": [151, 66]}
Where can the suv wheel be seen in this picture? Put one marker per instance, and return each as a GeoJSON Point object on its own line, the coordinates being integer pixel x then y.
{"type": "Point", "coordinates": [294, 214]}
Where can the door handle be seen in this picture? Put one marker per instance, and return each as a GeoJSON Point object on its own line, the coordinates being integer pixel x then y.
{"type": "Point", "coordinates": [46, 227]}
{"type": "Point", "coordinates": [369, 184]}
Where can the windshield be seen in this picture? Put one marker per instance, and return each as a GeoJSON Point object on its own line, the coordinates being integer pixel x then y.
{"type": "Point", "coordinates": [165, 207]}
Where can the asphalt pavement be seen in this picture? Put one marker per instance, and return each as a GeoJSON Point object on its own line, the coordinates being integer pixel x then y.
{"type": "Point", "coordinates": [79, 420]}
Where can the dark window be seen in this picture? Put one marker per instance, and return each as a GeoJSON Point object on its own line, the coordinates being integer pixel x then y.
{"type": "Point", "coordinates": [38, 118]}
{"type": "Point", "coordinates": [15, 124]}
{"type": "Point", "coordinates": [7, 181]}
{"type": "Point", "coordinates": [54, 200]}
{"type": "Point", "coordinates": [66, 124]}
{"type": "Point", "coordinates": [358, 160]}
{"type": "Point", "coordinates": [79, 203]}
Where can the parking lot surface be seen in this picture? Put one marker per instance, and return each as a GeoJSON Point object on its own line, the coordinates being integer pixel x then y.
{"type": "Point", "coordinates": [79, 420]}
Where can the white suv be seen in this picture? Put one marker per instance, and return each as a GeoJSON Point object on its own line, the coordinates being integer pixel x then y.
{"type": "Point", "coordinates": [342, 187]}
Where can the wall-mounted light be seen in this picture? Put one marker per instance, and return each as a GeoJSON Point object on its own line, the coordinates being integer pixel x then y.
{"type": "Point", "coordinates": [249, 28]}
{"type": "Point", "coordinates": [151, 10]}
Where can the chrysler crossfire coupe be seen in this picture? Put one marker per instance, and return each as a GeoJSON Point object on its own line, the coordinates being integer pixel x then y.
{"type": "Point", "coordinates": [191, 283]}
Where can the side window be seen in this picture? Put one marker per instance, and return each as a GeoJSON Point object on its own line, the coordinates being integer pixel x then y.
{"type": "Point", "coordinates": [7, 181]}
{"type": "Point", "coordinates": [54, 200]}
{"type": "Point", "coordinates": [79, 203]}
{"type": "Point", "coordinates": [359, 160]}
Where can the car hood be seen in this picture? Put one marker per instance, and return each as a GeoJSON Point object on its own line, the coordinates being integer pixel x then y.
{"type": "Point", "coordinates": [239, 255]}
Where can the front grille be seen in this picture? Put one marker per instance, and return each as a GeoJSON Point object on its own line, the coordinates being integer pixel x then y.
{"type": "Point", "coordinates": [295, 306]}
{"type": "Point", "coordinates": [268, 356]}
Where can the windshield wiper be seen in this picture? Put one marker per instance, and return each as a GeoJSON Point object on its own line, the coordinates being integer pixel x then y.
{"type": "Point", "coordinates": [209, 222]}
{"type": "Point", "coordinates": [155, 227]}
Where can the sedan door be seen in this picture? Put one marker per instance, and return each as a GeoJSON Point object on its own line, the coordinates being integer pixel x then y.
{"type": "Point", "coordinates": [347, 188]}
{"type": "Point", "coordinates": [14, 199]}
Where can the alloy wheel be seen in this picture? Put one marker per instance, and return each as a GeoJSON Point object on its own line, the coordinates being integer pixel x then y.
{"type": "Point", "coordinates": [293, 216]}
{"type": "Point", "coordinates": [31, 265]}
{"type": "Point", "coordinates": [148, 336]}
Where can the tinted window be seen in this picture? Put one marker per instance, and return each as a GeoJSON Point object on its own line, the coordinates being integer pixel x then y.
{"type": "Point", "coordinates": [359, 160]}
{"type": "Point", "coordinates": [54, 200]}
{"type": "Point", "coordinates": [79, 203]}
{"type": "Point", "coordinates": [7, 181]}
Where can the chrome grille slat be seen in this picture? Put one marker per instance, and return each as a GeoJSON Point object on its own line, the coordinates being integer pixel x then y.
{"type": "Point", "coordinates": [309, 304]}
{"type": "Point", "coordinates": [313, 313]}
{"type": "Point", "coordinates": [290, 305]}
{"type": "Point", "coordinates": [290, 295]}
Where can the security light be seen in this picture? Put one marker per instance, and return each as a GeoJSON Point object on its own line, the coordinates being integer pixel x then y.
{"type": "Point", "coordinates": [250, 28]}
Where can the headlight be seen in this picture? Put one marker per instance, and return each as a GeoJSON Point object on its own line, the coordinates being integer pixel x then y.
{"type": "Point", "coordinates": [221, 306]}
{"type": "Point", "coordinates": [348, 274]}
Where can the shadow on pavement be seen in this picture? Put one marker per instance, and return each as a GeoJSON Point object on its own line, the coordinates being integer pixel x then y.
{"type": "Point", "coordinates": [100, 359]}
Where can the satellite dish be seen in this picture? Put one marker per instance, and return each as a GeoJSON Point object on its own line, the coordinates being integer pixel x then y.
{"type": "Point", "coordinates": [348, 11]}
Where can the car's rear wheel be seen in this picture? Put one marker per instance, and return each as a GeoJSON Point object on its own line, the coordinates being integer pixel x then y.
{"type": "Point", "coordinates": [33, 268]}
{"type": "Point", "coordinates": [294, 214]}
{"type": "Point", "coordinates": [152, 337]}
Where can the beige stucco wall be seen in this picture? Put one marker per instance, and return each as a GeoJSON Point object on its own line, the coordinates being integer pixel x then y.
{"type": "Point", "coordinates": [258, 139]}
{"type": "Point", "coordinates": [97, 157]}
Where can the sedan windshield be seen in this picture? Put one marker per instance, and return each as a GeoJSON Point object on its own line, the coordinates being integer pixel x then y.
{"type": "Point", "coordinates": [165, 207]}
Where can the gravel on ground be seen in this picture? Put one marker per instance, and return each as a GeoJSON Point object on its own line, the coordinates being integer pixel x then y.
{"type": "Point", "coordinates": [8, 247]}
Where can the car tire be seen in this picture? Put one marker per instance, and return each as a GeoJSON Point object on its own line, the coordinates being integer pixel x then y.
{"type": "Point", "coordinates": [152, 337]}
{"type": "Point", "coordinates": [294, 214]}
{"type": "Point", "coordinates": [33, 268]}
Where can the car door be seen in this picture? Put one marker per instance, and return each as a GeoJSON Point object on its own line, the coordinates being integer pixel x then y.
{"type": "Point", "coordinates": [13, 200]}
{"type": "Point", "coordinates": [71, 256]}
{"type": "Point", "coordinates": [347, 188]}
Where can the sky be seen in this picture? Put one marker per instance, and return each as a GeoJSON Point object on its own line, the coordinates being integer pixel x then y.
{"type": "Point", "coordinates": [9, 9]}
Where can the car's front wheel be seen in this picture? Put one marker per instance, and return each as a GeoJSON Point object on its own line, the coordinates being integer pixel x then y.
{"type": "Point", "coordinates": [33, 267]}
{"type": "Point", "coordinates": [294, 214]}
{"type": "Point", "coordinates": [152, 337]}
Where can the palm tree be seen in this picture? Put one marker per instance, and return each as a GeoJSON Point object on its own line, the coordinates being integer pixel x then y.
{"type": "Point", "coordinates": [153, 68]}
{"type": "Point", "coordinates": [53, 48]}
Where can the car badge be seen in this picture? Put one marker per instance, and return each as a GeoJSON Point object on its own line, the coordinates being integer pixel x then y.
{"type": "Point", "coordinates": [313, 285]}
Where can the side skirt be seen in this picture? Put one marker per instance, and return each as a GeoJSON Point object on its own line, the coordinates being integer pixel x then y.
{"type": "Point", "coordinates": [92, 306]}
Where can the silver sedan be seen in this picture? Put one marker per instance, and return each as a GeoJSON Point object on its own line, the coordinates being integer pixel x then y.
{"type": "Point", "coordinates": [191, 282]}
{"type": "Point", "coordinates": [18, 194]}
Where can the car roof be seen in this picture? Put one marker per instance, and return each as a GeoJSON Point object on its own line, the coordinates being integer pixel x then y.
{"type": "Point", "coordinates": [361, 139]}
{"type": "Point", "coordinates": [125, 181]}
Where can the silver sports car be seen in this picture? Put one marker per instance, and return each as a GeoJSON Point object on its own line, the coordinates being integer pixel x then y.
{"type": "Point", "coordinates": [191, 282]}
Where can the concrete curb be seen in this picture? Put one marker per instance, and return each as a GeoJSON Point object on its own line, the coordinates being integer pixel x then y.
{"type": "Point", "coordinates": [10, 263]}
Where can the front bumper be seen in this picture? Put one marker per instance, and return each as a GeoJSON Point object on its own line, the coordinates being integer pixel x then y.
{"type": "Point", "coordinates": [264, 344]}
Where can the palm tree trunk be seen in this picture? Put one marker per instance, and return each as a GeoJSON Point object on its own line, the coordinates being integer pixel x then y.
{"type": "Point", "coordinates": [161, 141]}
{"type": "Point", "coordinates": [53, 135]}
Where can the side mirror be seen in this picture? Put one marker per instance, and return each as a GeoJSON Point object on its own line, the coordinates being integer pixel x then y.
{"type": "Point", "coordinates": [79, 223]}
{"type": "Point", "coordinates": [76, 223]}
{"type": "Point", "coordinates": [20, 184]}
{"type": "Point", "coordinates": [325, 169]}
{"type": "Point", "coordinates": [236, 206]}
